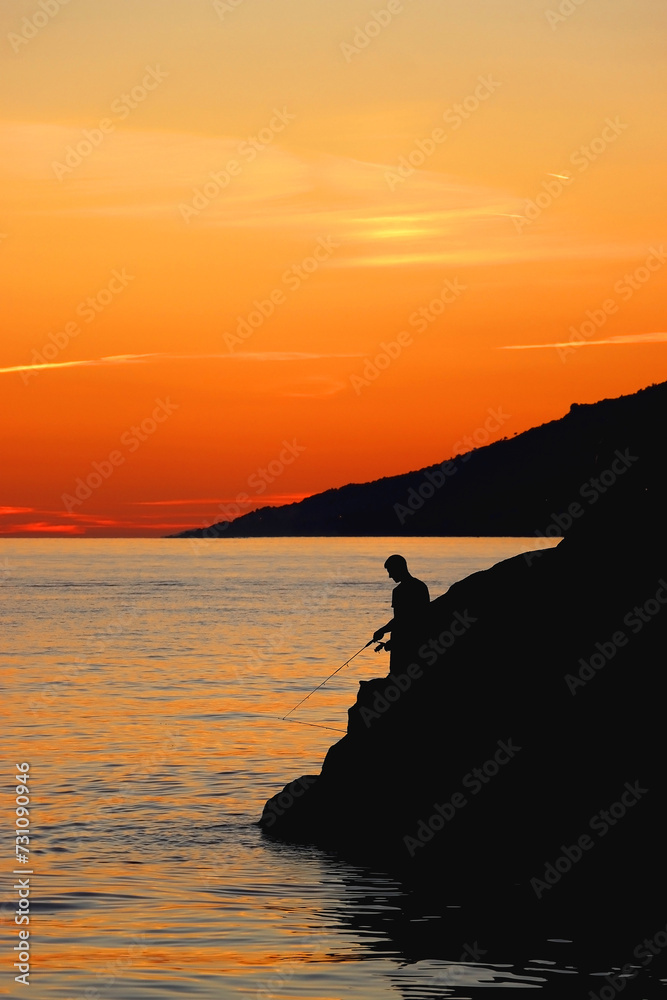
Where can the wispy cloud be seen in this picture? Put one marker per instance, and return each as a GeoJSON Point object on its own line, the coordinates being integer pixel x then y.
{"type": "Point", "coordinates": [265, 499]}
{"type": "Point", "coordinates": [429, 219]}
{"type": "Point", "coordinates": [147, 516]}
{"type": "Point", "coordinates": [624, 338]}
{"type": "Point", "coordinates": [177, 503]}
{"type": "Point", "coordinates": [42, 528]}
{"type": "Point", "coordinates": [128, 359]}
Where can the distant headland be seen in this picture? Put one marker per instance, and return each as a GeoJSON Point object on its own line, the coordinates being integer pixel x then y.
{"type": "Point", "coordinates": [536, 483]}
{"type": "Point", "coordinates": [523, 756]}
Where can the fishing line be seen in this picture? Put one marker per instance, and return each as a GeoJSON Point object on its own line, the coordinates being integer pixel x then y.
{"type": "Point", "coordinates": [317, 725]}
{"type": "Point", "coordinates": [324, 682]}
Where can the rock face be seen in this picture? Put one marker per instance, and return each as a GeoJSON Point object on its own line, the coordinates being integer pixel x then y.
{"type": "Point", "coordinates": [525, 747]}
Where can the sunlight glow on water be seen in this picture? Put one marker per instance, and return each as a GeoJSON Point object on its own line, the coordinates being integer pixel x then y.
{"type": "Point", "coordinates": [147, 680]}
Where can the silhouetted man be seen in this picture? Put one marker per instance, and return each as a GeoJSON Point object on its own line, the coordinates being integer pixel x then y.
{"type": "Point", "coordinates": [410, 601]}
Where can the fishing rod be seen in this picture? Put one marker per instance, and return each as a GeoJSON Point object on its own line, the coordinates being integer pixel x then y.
{"type": "Point", "coordinates": [369, 643]}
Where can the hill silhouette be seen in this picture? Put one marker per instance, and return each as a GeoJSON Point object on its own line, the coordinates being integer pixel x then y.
{"type": "Point", "coordinates": [521, 758]}
{"type": "Point", "coordinates": [518, 486]}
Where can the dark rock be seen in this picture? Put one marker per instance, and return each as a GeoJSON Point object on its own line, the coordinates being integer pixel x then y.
{"type": "Point", "coordinates": [506, 751]}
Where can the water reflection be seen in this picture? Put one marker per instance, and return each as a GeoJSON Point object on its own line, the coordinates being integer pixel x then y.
{"type": "Point", "coordinates": [419, 946]}
{"type": "Point", "coordinates": [153, 734]}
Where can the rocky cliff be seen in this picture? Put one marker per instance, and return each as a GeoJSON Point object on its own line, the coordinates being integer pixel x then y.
{"type": "Point", "coordinates": [525, 745]}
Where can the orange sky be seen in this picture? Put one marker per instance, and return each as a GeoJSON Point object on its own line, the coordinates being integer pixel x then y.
{"type": "Point", "coordinates": [213, 216]}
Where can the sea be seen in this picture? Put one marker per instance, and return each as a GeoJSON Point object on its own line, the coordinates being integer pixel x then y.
{"type": "Point", "coordinates": [144, 685]}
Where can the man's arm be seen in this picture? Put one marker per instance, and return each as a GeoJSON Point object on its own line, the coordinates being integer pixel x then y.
{"type": "Point", "coordinates": [381, 631]}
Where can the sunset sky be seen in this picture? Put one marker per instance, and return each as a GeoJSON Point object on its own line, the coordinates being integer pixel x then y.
{"type": "Point", "coordinates": [214, 215]}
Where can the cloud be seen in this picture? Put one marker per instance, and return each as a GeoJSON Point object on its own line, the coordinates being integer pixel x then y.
{"type": "Point", "coordinates": [625, 338]}
{"type": "Point", "coordinates": [124, 359]}
{"type": "Point", "coordinates": [274, 498]}
{"type": "Point", "coordinates": [285, 356]}
{"type": "Point", "coordinates": [427, 218]}
{"type": "Point", "coordinates": [43, 527]}
{"type": "Point", "coordinates": [69, 524]}
{"type": "Point", "coordinates": [176, 503]}
{"type": "Point", "coordinates": [60, 522]}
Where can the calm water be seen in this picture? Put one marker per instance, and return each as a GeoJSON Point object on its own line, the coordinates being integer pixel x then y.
{"type": "Point", "coordinates": [145, 682]}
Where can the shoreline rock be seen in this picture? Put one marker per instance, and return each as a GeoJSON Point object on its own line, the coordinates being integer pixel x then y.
{"type": "Point", "coordinates": [529, 753]}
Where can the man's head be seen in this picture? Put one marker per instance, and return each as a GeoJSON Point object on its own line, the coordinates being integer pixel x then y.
{"type": "Point", "coordinates": [397, 568]}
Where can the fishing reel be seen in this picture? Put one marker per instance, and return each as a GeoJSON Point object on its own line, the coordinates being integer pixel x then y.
{"type": "Point", "coordinates": [383, 645]}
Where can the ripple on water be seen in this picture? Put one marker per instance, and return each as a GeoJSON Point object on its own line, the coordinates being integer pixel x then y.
{"type": "Point", "coordinates": [160, 678]}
